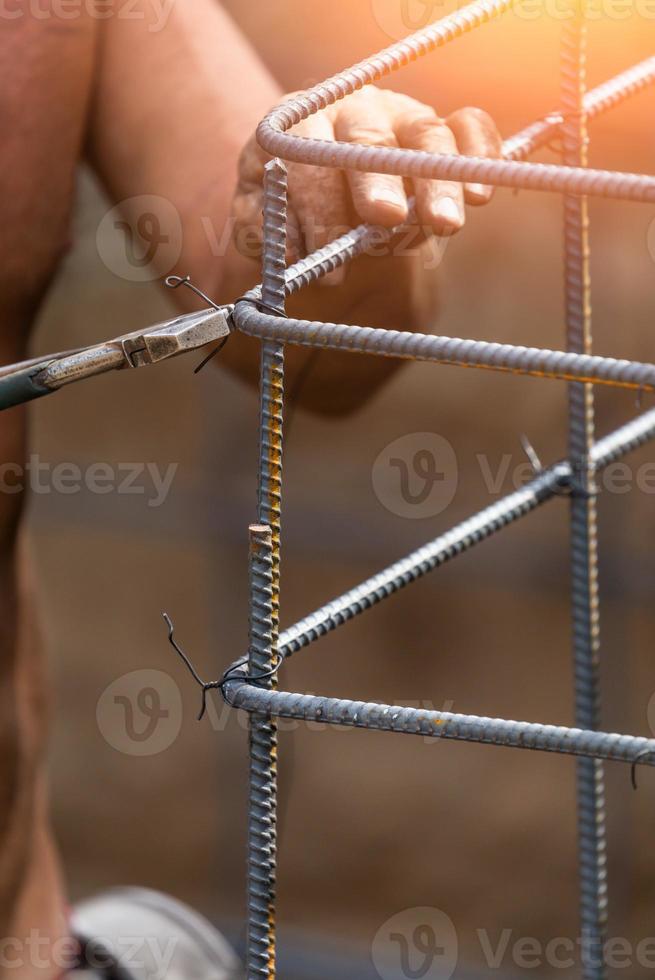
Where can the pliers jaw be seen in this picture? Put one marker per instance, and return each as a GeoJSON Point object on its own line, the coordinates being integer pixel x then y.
{"type": "Point", "coordinates": [41, 376]}
{"type": "Point", "coordinates": [176, 337]}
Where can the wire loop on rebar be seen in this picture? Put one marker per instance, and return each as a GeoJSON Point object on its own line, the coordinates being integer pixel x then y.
{"type": "Point", "coordinates": [261, 314]}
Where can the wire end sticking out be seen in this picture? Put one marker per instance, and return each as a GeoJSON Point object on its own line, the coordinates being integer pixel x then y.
{"type": "Point", "coordinates": [230, 674]}
{"type": "Point", "coordinates": [204, 685]}
{"type": "Point", "coordinates": [174, 282]}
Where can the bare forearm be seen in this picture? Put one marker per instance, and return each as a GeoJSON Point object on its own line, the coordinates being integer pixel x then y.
{"type": "Point", "coordinates": [171, 114]}
{"type": "Point", "coordinates": [171, 110]}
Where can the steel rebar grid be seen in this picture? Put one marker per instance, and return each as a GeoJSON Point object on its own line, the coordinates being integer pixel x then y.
{"type": "Point", "coordinates": [353, 243]}
{"type": "Point", "coordinates": [452, 350]}
{"type": "Point", "coordinates": [598, 101]}
{"type": "Point", "coordinates": [585, 608]}
{"type": "Point", "coordinates": [571, 180]}
{"type": "Point", "coordinates": [265, 596]}
{"type": "Point", "coordinates": [469, 728]}
{"type": "Point", "coordinates": [274, 137]}
{"type": "Point", "coordinates": [548, 484]}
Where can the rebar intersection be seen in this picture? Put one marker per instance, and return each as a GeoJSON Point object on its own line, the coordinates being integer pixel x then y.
{"type": "Point", "coordinates": [261, 314]}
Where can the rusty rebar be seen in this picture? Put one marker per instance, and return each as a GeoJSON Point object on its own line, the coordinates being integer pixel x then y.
{"type": "Point", "coordinates": [265, 594]}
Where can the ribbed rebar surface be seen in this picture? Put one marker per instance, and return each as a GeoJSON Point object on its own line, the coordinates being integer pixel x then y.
{"type": "Point", "coordinates": [272, 363]}
{"type": "Point", "coordinates": [265, 594]}
{"type": "Point", "coordinates": [263, 767]}
{"type": "Point", "coordinates": [444, 724]}
{"type": "Point", "coordinates": [261, 314]}
{"type": "Point", "coordinates": [533, 361]}
{"type": "Point", "coordinates": [585, 607]}
{"type": "Point", "coordinates": [345, 248]}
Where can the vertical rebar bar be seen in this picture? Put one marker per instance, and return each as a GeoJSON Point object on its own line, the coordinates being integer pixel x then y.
{"type": "Point", "coordinates": [265, 594]}
{"type": "Point", "coordinates": [272, 362]}
{"type": "Point", "coordinates": [263, 759]}
{"type": "Point", "coordinates": [583, 542]}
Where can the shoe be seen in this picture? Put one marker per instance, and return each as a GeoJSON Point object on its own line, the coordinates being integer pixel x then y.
{"type": "Point", "coordinates": [138, 934]}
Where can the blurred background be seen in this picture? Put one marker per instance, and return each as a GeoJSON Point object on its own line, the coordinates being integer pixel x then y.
{"type": "Point", "coordinates": [371, 825]}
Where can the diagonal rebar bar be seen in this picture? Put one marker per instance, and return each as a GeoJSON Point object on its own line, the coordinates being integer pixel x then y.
{"type": "Point", "coordinates": [551, 483]}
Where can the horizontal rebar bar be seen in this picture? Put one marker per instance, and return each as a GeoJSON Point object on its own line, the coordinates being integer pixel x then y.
{"type": "Point", "coordinates": [509, 358]}
{"type": "Point", "coordinates": [498, 173]}
{"type": "Point", "coordinates": [442, 724]}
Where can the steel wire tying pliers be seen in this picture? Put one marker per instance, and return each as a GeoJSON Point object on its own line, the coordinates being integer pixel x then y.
{"type": "Point", "coordinates": [43, 375]}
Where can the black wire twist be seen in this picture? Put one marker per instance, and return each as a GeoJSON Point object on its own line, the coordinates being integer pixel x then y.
{"type": "Point", "coordinates": [237, 668]}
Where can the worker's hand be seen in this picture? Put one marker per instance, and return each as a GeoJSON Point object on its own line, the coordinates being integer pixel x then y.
{"type": "Point", "coordinates": [325, 202]}
{"type": "Point", "coordinates": [395, 288]}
